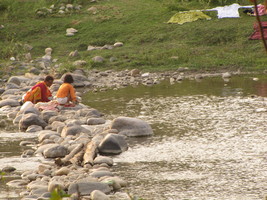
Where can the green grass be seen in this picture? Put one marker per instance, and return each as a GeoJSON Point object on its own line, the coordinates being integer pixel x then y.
{"type": "Point", "coordinates": [149, 42]}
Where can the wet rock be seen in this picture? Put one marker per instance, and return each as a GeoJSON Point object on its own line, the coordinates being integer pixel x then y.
{"type": "Point", "coordinates": [98, 174]}
{"type": "Point", "coordinates": [95, 121]}
{"type": "Point", "coordinates": [131, 127]}
{"type": "Point", "coordinates": [55, 152]}
{"type": "Point", "coordinates": [25, 143]}
{"type": "Point", "coordinates": [21, 183]}
{"type": "Point", "coordinates": [87, 187]}
{"type": "Point", "coordinates": [9, 102]}
{"type": "Point", "coordinates": [8, 169]}
{"type": "Point", "coordinates": [28, 153]}
{"type": "Point", "coordinates": [31, 119]}
{"type": "Point", "coordinates": [37, 184]}
{"type": "Point", "coordinates": [46, 134]}
{"type": "Point", "coordinates": [41, 149]}
{"type": "Point", "coordinates": [113, 144]}
{"type": "Point", "coordinates": [39, 191]}
{"type": "Point", "coordinates": [103, 159]}
{"type": "Point", "coordinates": [98, 195]}
{"type": "Point", "coordinates": [33, 129]}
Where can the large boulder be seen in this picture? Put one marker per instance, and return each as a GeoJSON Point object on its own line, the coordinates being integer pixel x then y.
{"type": "Point", "coordinates": [31, 119]}
{"type": "Point", "coordinates": [9, 102]}
{"type": "Point", "coordinates": [131, 127]}
{"type": "Point", "coordinates": [113, 144]}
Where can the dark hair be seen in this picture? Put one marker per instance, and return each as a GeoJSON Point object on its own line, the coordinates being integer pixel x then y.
{"type": "Point", "coordinates": [68, 78]}
{"type": "Point", "coordinates": [49, 78]}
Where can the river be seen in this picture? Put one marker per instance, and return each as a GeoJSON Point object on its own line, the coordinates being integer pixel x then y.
{"type": "Point", "coordinates": [209, 139]}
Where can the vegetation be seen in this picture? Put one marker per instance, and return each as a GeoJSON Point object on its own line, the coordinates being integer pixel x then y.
{"type": "Point", "coordinates": [149, 42]}
{"type": "Point", "coordinates": [58, 194]}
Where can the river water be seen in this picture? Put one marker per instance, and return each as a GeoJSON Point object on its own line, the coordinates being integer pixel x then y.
{"type": "Point", "coordinates": [209, 142]}
{"type": "Point", "coordinates": [209, 139]}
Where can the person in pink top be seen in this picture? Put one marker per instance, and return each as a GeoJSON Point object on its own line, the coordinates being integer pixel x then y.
{"type": "Point", "coordinates": [66, 92]}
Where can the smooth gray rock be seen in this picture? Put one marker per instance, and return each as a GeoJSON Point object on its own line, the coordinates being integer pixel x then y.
{"type": "Point", "coordinates": [8, 169]}
{"type": "Point", "coordinates": [41, 149]}
{"type": "Point", "coordinates": [131, 127]}
{"type": "Point", "coordinates": [11, 86]}
{"type": "Point", "coordinates": [98, 195]}
{"type": "Point", "coordinates": [95, 121]}
{"type": "Point", "coordinates": [9, 102]}
{"type": "Point", "coordinates": [113, 144]}
{"type": "Point", "coordinates": [87, 187]}
{"type": "Point", "coordinates": [103, 159]}
{"type": "Point", "coordinates": [11, 91]}
{"type": "Point", "coordinates": [56, 124]}
{"type": "Point", "coordinates": [72, 130]}
{"type": "Point", "coordinates": [46, 134]}
{"type": "Point", "coordinates": [55, 152]}
{"type": "Point", "coordinates": [47, 114]}
{"type": "Point", "coordinates": [33, 129]}
{"type": "Point", "coordinates": [20, 183]}
{"type": "Point", "coordinates": [31, 119]}
{"type": "Point", "coordinates": [29, 110]}
{"type": "Point", "coordinates": [98, 174]}
{"type": "Point", "coordinates": [15, 80]}
{"type": "Point", "coordinates": [57, 118]}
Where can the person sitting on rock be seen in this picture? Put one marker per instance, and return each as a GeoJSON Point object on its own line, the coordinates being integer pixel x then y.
{"type": "Point", "coordinates": [66, 92]}
{"type": "Point", "coordinates": [40, 92]}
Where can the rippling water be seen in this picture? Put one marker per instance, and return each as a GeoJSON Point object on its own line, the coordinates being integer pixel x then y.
{"type": "Point", "coordinates": [207, 145]}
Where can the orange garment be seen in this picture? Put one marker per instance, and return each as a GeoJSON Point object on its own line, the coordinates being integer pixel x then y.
{"type": "Point", "coordinates": [66, 90]}
{"type": "Point", "coordinates": [38, 93]}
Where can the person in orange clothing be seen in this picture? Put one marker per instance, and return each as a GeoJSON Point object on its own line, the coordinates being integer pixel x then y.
{"type": "Point", "coordinates": [40, 92]}
{"type": "Point", "coordinates": [66, 92]}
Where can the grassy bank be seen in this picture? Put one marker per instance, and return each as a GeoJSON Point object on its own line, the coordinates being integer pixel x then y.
{"type": "Point", "coordinates": [149, 42]}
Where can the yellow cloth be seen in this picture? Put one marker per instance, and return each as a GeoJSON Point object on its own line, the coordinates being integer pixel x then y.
{"type": "Point", "coordinates": [66, 90]}
{"type": "Point", "coordinates": [188, 16]}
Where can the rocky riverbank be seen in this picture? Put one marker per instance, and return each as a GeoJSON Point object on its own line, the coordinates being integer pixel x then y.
{"type": "Point", "coordinates": [76, 141]}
